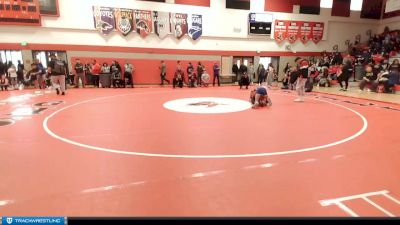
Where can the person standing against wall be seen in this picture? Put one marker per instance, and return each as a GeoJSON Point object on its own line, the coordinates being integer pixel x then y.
{"type": "Point", "coordinates": [242, 70]}
{"type": "Point", "coordinates": [271, 73]}
{"type": "Point", "coordinates": [96, 70]}
{"type": "Point", "coordinates": [12, 73]}
{"type": "Point", "coordinates": [20, 72]}
{"type": "Point", "coordinates": [163, 72]}
{"type": "Point", "coordinates": [250, 72]}
{"type": "Point", "coordinates": [128, 74]}
{"type": "Point", "coordinates": [80, 74]}
{"type": "Point", "coordinates": [216, 69]}
{"type": "Point", "coordinates": [261, 74]}
{"type": "Point", "coordinates": [235, 70]}
{"type": "Point", "coordinates": [200, 70]}
{"type": "Point", "coordinates": [190, 68]}
{"type": "Point", "coordinates": [57, 72]}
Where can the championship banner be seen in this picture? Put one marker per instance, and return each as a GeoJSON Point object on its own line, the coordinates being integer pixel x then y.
{"type": "Point", "coordinates": [305, 32]}
{"type": "Point", "coordinates": [104, 19]}
{"type": "Point", "coordinates": [293, 31]}
{"type": "Point", "coordinates": [143, 21]}
{"type": "Point", "coordinates": [280, 31]}
{"type": "Point", "coordinates": [162, 27]}
{"type": "Point", "coordinates": [179, 24]}
{"type": "Point", "coordinates": [20, 12]}
{"type": "Point", "coordinates": [196, 26]}
{"type": "Point", "coordinates": [317, 32]}
{"type": "Point", "coordinates": [124, 20]}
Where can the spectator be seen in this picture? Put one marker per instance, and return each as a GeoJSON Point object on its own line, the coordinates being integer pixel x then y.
{"type": "Point", "coordinates": [216, 69]}
{"type": "Point", "coordinates": [346, 71]}
{"type": "Point", "coordinates": [200, 70]}
{"type": "Point", "coordinates": [12, 73]}
{"type": "Point", "coordinates": [3, 82]}
{"type": "Point", "coordinates": [368, 79]}
{"type": "Point", "coordinates": [3, 68]}
{"type": "Point", "coordinates": [80, 74]}
{"type": "Point", "coordinates": [244, 81]}
{"type": "Point", "coordinates": [95, 72]}
{"type": "Point", "coordinates": [178, 79]}
{"type": "Point", "coordinates": [250, 72]}
{"type": "Point", "coordinates": [163, 72]}
{"type": "Point", "coordinates": [394, 67]}
{"type": "Point", "coordinates": [116, 76]}
{"type": "Point", "coordinates": [235, 70]}
{"type": "Point", "coordinates": [242, 70]}
{"type": "Point", "coordinates": [20, 72]}
{"type": "Point", "coordinates": [261, 74]}
{"type": "Point", "coordinates": [192, 79]}
{"type": "Point", "coordinates": [178, 65]}
{"type": "Point", "coordinates": [190, 68]}
{"type": "Point", "coordinates": [106, 71]}
{"type": "Point", "coordinates": [271, 74]}
{"type": "Point", "coordinates": [128, 74]}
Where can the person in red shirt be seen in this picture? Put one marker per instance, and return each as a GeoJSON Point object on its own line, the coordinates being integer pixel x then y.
{"type": "Point", "coordinates": [96, 70]}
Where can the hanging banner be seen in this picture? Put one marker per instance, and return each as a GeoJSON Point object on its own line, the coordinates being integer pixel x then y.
{"type": "Point", "coordinates": [20, 13]}
{"type": "Point", "coordinates": [305, 32]}
{"type": "Point", "coordinates": [124, 20]}
{"type": "Point", "coordinates": [162, 27]}
{"type": "Point", "coordinates": [179, 24]}
{"type": "Point", "coordinates": [317, 32]}
{"type": "Point", "coordinates": [196, 26]}
{"type": "Point", "coordinates": [293, 31]}
{"type": "Point", "coordinates": [143, 22]}
{"type": "Point", "coordinates": [104, 19]}
{"type": "Point", "coordinates": [280, 31]}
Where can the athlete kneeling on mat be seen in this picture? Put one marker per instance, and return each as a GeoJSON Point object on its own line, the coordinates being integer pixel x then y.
{"type": "Point", "coordinates": [259, 97]}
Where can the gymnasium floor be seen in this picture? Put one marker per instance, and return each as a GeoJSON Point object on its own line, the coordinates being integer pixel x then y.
{"type": "Point", "coordinates": [134, 152]}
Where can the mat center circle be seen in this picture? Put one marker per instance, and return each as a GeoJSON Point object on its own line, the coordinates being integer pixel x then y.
{"type": "Point", "coordinates": [207, 105]}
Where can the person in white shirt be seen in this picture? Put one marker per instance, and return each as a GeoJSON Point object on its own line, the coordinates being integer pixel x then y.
{"type": "Point", "coordinates": [12, 73]}
{"type": "Point", "coordinates": [128, 74]}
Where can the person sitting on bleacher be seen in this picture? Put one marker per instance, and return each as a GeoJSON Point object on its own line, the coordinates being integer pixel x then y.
{"type": "Point", "coordinates": [324, 80]}
{"type": "Point", "coordinates": [369, 79]}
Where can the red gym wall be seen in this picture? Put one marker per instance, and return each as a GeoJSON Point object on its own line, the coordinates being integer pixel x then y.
{"type": "Point", "coordinates": [205, 3]}
{"type": "Point", "coordinates": [287, 6]}
{"type": "Point", "coordinates": [146, 70]}
{"type": "Point", "coordinates": [341, 8]}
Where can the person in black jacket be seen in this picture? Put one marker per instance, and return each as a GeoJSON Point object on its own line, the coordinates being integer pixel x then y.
{"type": "Point", "coordinates": [116, 75]}
{"type": "Point", "coordinates": [235, 70]}
{"type": "Point", "coordinates": [347, 70]}
{"type": "Point", "coordinates": [20, 72]}
{"type": "Point", "coordinates": [303, 66]}
{"type": "Point", "coordinates": [80, 73]}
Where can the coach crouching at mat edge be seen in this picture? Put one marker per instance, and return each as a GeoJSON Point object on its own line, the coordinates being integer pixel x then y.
{"type": "Point", "coordinates": [57, 71]}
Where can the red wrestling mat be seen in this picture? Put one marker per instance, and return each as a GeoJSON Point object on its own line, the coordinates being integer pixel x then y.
{"type": "Point", "coordinates": [120, 152]}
